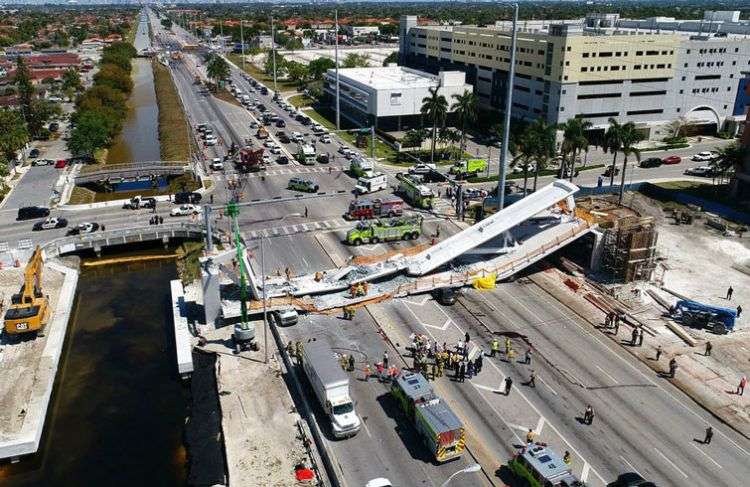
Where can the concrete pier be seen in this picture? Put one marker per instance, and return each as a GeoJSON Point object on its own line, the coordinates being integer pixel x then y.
{"type": "Point", "coordinates": [182, 335]}
{"type": "Point", "coordinates": [31, 391]}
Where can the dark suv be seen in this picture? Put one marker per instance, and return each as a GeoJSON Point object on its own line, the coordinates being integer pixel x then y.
{"type": "Point", "coordinates": [187, 197]}
{"type": "Point", "coordinates": [651, 162]}
{"type": "Point", "coordinates": [31, 212]}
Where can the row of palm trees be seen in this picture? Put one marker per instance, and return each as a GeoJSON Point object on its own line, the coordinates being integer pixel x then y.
{"type": "Point", "coordinates": [435, 109]}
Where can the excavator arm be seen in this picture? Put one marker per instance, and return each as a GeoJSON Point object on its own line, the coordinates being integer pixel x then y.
{"type": "Point", "coordinates": [33, 276]}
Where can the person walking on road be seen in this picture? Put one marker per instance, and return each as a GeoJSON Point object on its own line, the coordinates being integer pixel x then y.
{"type": "Point", "coordinates": [672, 367]}
{"type": "Point", "coordinates": [588, 415]}
{"type": "Point", "coordinates": [530, 437]}
{"type": "Point", "coordinates": [730, 291]}
{"type": "Point", "coordinates": [640, 337]}
{"type": "Point", "coordinates": [478, 362]}
{"type": "Point", "coordinates": [741, 387]}
{"type": "Point", "coordinates": [567, 459]}
{"type": "Point", "coordinates": [306, 212]}
{"type": "Point", "coordinates": [462, 372]}
{"type": "Point", "coordinates": [385, 359]}
{"type": "Point", "coordinates": [494, 347]}
{"type": "Point", "coordinates": [658, 353]}
{"type": "Point", "coordinates": [634, 337]}
{"type": "Point", "coordinates": [466, 337]}
{"type": "Point", "coordinates": [508, 385]}
{"type": "Point", "coordinates": [527, 357]}
{"type": "Point", "coordinates": [351, 363]}
{"type": "Point", "coordinates": [709, 435]}
{"type": "Point", "coordinates": [709, 347]}
{"type": "Point", "coordinates": [739, 311]}
{"type": "Point", "coordinates": [532, 379]}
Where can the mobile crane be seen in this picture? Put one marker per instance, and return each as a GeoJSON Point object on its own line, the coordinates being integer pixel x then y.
{"type": "Point", "coordinates": [29, 309]}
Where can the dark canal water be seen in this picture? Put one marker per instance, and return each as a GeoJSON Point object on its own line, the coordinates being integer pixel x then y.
{"type": "Point", "coordinates": [118, 411]}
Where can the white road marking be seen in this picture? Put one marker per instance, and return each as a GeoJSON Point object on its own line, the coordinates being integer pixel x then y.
{"type": "Point", "coordinates": [706, 455]}
{"type": "Point", "coordinates": [671, 463]}
{"type": "Point", "coordinates": [630, 465]}
{"type": "Point", "coordinates": [585, 471]}
{"type": "Point", "coordinates": [420, 303]}
{"type": "Point", "coordinates": [605, 373]}
{"type": "Point", "coordinates": [367, 430]}
{"type": "Point", "coordinates": [548, 386]}
{"type": "Point", "coordinates": [304, 227]}
{"type": "Point", "coordinates": [540, 425]}
{"type": "Point", "coordinates": [486, 388]}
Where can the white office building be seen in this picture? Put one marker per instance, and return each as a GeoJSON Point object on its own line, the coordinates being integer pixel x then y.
{"type": "Point", "coordinates": [389, 97]}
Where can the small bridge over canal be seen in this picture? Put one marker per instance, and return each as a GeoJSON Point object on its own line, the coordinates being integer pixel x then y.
{"type": "Point", "coordinates": [136, 170]}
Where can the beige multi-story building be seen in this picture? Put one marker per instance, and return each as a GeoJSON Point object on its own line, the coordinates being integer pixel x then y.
{"type": "Point", "coordinates": [594, 70]}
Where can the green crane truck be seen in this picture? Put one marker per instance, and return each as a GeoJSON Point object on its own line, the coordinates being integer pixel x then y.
{"type": "Point", "coordinates": [418, 195]}
{"type": "Point", "coordinates": [404, 228]}
{"type": "Point", "coordinates": [441, 430]}
{"type": "Point", "coordinates": [468, 167]}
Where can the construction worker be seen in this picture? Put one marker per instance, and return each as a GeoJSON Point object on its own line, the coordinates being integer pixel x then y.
{"type": "Point", "coordinates": [494, 347]}
{"type": "Point", "coordinates": [367, 371]}
{"type": "Point", "coordinates": [343, 361]}
{"type": "Point", "coordinates": [507, 345]}
{"type": "Point", "coordinates": [290, 349]}
{"type": "Point", "coordinates": [672, 367]}
{"type": "Point", "coordinates": [567, 458]}
{"type": "Point", "coordinates": [351, 363]}
{"type": "Point", "coordinates": [298, 347]}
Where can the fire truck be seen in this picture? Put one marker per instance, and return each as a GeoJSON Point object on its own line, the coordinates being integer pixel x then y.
{"type": "Point", "coordinates": [379, 207]}
{"type": "Point", "coordinates": [386, 230]}
{"type": "Point", "coordinates": [250, 159]}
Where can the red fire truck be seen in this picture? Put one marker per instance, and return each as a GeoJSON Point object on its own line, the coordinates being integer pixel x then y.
{"type": "Point", "coordinates": [360, 209]}
{"type": "Point", "coordinates": [250, 159]}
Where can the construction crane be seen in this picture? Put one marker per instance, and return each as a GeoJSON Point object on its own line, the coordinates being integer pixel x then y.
{"type": "Point", "coordinates": [29, 309]}
{"type": "Point", "coordinates": [243, 332]}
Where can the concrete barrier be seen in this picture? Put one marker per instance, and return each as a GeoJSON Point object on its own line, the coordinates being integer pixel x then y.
{"type": "Point", "coordinates": [182, 335]}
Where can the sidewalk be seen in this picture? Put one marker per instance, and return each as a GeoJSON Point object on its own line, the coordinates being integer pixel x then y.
{"type": "Point", "coordinates": [710, 381]}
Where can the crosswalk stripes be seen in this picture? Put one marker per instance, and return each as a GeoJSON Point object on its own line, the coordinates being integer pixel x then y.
{"type": "Point", "coordinates": [275, 172]}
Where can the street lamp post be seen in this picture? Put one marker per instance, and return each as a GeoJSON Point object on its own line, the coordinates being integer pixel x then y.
{"type": "Point", "coordinates": [474, 467]}
{"type": "Point", "coordinates": [242, 40]}
{"type": "Point", "coordinates": [336, 57]}
{"type": "Point", "coordinates": [273, 53]}
{"type": "Point", "coordinates": [508, 107]}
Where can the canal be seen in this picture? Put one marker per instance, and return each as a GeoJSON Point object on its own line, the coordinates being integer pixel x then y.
{"type": "Point", "coordinates": [139, 139]}
{"type": "Point", "coordinates": [118, 410]}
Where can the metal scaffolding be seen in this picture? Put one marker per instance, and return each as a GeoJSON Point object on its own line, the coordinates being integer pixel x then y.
{"type": "Point", "coordinates": [629, 252]}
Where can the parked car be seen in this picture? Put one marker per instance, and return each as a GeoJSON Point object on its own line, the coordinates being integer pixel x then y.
{"type": "Point", "coordinates": [631, 479]}
{"type": "Point", "coordinates": [31, 212]}
{"type": "Point", "coordinates": [702, 157]}
{"type": "Point", "coordinates": [185, 210]}
{"type": "Point", "coordinates": [283, 137]}
{"type": "Point", "coordinates": [474, 193]}
{"type": "Point", "coordinates": [608, 172]}
{"type": "Point", "coordinates": [447, 296]}
{"type": "Point", "coordinates": [422, 168]}
{"type": "Point", "coordinates": [54, 127]}
{"type": "Point", "coordinates": [82, 228]}
{"type": "Point", "coordinates": [34, 153]}
{"type": "Point", "coordinates": [671, 160]}
{"type": "Point", "coordinates": [300, 184]}
{"type": "Point", "coordinates": [61, 163]}
{"type": "Point", "coordinates": [217, 164]}
{"type": "Point", "coordinates": [275, 149]}
{"type": "Point", "coordinates": [651, 162]}
{"type": "Point", "coordinates": [42, 162]}
{"type": "Point", "coordinates": [187, 197]}
{"type": "Point", "coordinates": [702, 171]}
{"type": "Point", "coordinates": [50, 223]}
{"type": "Point", "coordinates": [282, 160]}
{"type": "Point", "coordinates": [325, 139]}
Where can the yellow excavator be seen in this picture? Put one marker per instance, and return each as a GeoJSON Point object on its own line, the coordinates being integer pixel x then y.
{"type": "Point", "coordinates": [29, 309]}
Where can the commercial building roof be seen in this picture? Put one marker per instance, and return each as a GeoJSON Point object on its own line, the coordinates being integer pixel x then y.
{"type": "Point", "coordinates": [390, 77]}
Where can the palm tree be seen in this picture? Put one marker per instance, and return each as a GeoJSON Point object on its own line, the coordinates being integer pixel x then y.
{"type": "Point", "coordinates": [465, 108]}
{"type": "Point", "coordinates": [731, 157]}
{"type": "Point", "coordinates": [574, 141]}
{"type": "Point", "coordinates": [613, 143]}
{"type": "Point", "coordinates": [435, 108]}
{"type": "Point", "coordinates": [543, 135]}
{"type": "Point", "coordinates": [629, 137]}
{"type": "Point", "coordinates": [449, 136]}
{"type": "Point", "coordinates": [523, 151]}
{"type": "Point", "coordinates": [414, 138]}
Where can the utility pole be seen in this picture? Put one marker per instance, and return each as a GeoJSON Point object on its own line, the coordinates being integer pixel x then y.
{"type": "Point", "coordinates": [336, 57]}
{"type": "Point", "coordinates": [273, 54]}
{"type": "Point", "coordinates": [265, 314]}
{"type": "Point", "coordinates": [242, 40]}
{"type": "Point", "coordinates": [372, 142]}
{"type": "Point", "coordinates": [221, 32]}
{"type": "Point", "coordinates": [508, 106]}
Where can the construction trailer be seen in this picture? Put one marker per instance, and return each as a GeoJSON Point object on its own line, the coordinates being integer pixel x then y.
{"type": "Point", "coordinates": [629, 249]}
{"type": "Point", "coordinates": [29, 309]}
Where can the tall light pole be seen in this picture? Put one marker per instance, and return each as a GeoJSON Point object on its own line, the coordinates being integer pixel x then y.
{"type": "Point", "coordinates": [273, 54]}
{"type": "Point", "coordinates": [508, 107]}
{"type": "Point", "coordinates": [336, 57]}
{"type": "Point", "coordinates": [474, 467]}
{"type": "Point", "coordinates": [242, 40]}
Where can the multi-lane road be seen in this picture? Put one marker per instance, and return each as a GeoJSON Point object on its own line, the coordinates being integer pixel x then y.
{"type": "Point", "coordinates": [642, 423]}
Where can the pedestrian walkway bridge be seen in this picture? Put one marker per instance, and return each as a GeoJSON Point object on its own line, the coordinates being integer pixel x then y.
{"type": "Point", "coordinates": [113, 172]}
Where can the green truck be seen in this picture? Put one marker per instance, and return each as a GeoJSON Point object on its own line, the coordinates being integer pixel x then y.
{"type": "Point", "coordinates": [404, 228]}
{"type": "Point", "coordinates": [468, 167]}
{"type": "Point", "coordinates": [414, 192]}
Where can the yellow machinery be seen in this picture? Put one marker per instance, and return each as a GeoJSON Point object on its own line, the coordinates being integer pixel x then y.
{"type": "Point", "coordinates": [29, 309]}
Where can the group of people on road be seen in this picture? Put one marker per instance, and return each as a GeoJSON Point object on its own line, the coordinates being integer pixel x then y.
{"type": "Point", "coordinates": [431, 359]}
{"type": "Point", "coordinates": [156, 220]}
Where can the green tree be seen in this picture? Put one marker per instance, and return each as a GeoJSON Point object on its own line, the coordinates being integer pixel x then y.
{"type": "Point", "coordinates": [89, 134]}
{"type": "Point", "coordinates": [613, 143]}
{"type": "Point", "coordinates": [731, 158]}
{"type": "Point", "coordinates": [319, 67]}
{"type": "Point", "coordinates": [465, 108]}
{"type": "Point", "coordinates": [544, 145]}
{"type": "Point", "coordinates": [217, 69]}
{"type": "Point", "coordinates": [25, 88]}
{"type": "Point", "coordinates": [574, 141]}
{"type": "Point", "coordinates": [71, 80]}
{"type": "Point", "coordinates": [391, 58]}
{"type": "Point", "coordinates": [414, 138]}
{"type": "Point", "coordinates": [13, 134]}
{"type": "Point", "coordinates": [629, 138]}
{"type": "Point", "coordinates": [435, 108]}
{"type": "Point", "coordinates": [296, 71]}
{"type": "Point", "coordinates": [115, 77]}
{"type": "Point", "coordinates": [354, 60]}
{"type": "Point", "coordinates": [522, 148]}
{"type": "Point", "coordinates": [41, 112]}
{"type": "Point", "coordinates": [98, 97]}
{"type": "Point", "coordinates": [166, 23]}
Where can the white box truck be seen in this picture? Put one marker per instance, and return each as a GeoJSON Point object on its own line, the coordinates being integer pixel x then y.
{"type": "Point", "coordinates": [331, 386]}
{"type": "Point", "coordinates": [371, 183]}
